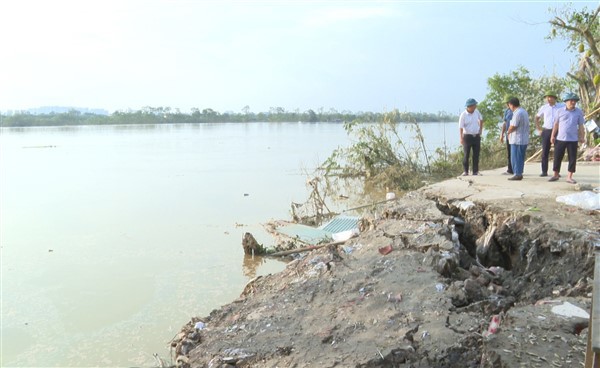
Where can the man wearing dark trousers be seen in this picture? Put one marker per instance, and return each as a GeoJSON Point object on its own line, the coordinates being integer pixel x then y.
{"type": "Point", "coordinates": [567, 131]}
{"type": "Point", "coordinates": [470, 126]}
{"type": "Point", "coordinates": [549, 113]}
{"type": "Point", "coordinates": [506, 123]}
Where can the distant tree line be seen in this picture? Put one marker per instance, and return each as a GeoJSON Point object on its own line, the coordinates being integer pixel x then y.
{"type": "Point", "coordinates": [166, 115]}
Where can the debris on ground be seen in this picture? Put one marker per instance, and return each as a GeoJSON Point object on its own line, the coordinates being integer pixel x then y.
{"type": "Point", "coordinates": [432, 281]}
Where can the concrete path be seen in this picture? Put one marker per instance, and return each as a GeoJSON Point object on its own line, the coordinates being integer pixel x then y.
{"type": "Point", "coordinates": [493, 185]}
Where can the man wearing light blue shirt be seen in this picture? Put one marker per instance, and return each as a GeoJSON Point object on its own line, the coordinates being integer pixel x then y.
{"type": "Point", "coordinates": [505, 124]}
{"type": "Point", "coordinates": [567, 131]}
{"type": "Point", "coordinates": [549, 113]}
{"type": "Point", "coordinates": [518, 137]}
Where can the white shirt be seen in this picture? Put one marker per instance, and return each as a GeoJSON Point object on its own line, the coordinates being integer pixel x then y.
{"type": "Point", "coordinates": [470, 122]}
{"type": "Point", "coordinates": [550, 113]}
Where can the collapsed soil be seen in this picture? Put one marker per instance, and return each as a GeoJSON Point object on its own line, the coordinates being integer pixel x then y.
{"type": "Point", "coordinates": [417, 288]}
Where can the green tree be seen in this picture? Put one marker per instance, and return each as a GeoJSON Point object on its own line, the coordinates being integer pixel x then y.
{"type": "Point", "coordinates": [582, 31]}
{"type": "Point", "coordinates": [209, 113]}
{"type": "Point", "coordinates": [312, 116]}
{"type": "Point", "coordinates": [500, 85]}
{"type": "Point", "coordinates": [518, 83]}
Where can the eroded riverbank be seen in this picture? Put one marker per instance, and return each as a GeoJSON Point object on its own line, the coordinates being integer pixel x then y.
{"type": "Point", "coordinates": [464, 253]}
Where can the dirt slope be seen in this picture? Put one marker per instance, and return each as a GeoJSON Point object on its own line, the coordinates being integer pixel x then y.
{"type": "Point", "coordinates": [417, 288]}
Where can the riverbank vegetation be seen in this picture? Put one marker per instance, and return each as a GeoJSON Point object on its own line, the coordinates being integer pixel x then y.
{"type": "Point", "coordinates": [166, 115]}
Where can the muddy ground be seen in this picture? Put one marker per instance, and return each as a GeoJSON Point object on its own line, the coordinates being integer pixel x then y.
{"type": "Point", "coordinates": [418, 287]}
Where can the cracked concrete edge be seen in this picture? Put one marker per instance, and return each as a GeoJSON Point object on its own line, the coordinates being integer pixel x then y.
{"type": "Point", "coordinates": [494, 186]}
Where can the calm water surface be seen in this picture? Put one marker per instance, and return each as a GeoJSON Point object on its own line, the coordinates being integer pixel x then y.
{"type": "Point", "coordinates": [112, 238]}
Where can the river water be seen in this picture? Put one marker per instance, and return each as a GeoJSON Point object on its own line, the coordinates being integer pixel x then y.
{"type": "Point", "coordinates": [112, 238]}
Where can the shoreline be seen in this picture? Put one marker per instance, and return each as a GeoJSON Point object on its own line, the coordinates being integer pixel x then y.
{"type": "Point", "coordinates": [465, 252]}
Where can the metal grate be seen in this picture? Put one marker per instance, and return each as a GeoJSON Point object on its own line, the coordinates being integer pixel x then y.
{"type": "Point", "coordinates": [341, 223]}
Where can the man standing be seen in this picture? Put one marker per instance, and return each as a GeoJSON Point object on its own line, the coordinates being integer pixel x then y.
{"type": "Point", "coordinates": [568, 127]}
{"type": "Point", "coordinates": [505, 124]}
{"type": "Point", "coordinates": [549, 113]}
{"type": "Point", "coordinates": [470, 126]}
{"type": "Point", "coordinates": [518, 136]}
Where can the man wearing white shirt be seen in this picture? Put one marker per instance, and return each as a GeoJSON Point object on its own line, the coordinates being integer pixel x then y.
{"type": "Point", "coordinates": [549, 113]}
{"type": "Point", "coordinates": [470, 126]}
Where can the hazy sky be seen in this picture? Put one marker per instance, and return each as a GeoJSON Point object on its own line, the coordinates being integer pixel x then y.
{"type": "Point", "coordinates": [348, 55]}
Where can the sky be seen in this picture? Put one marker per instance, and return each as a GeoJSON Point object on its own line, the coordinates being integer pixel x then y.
{"type": "Point", "coordinates": [119, 55]}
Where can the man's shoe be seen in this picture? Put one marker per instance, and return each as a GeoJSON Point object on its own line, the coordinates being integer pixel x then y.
{"type": "Point", "coordinates": [543, 174]}
{"type": "Point", "coordinates": [477, 173]}
{"type": "Point", "coordinates": [465, 174]}
{"type": "Point", "coordinates": [507, 173]}
{"type": "Point", "coordinates": [516, 177]}
{"type": "Point", "coordinates": [554, 178]}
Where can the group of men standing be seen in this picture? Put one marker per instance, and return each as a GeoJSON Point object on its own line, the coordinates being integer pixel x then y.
{"type": "Point", "coordinates": [559, 124]}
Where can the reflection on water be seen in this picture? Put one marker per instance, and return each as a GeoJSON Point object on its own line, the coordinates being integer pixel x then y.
{"type": "Point", "coordinates": [251, 265]}
{"type": "Point", "coordinates": [143, 224]}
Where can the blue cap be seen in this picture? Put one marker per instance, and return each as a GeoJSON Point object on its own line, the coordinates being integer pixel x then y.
{"type": "Point", "coordinates": [570, 96]}
{"type": "Point", "coordinates": [470, 102]}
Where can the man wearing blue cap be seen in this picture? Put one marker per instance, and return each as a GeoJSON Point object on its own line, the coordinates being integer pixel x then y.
{"type": "Point", "coordinates": [470, 126]}
{"type": "Point", "coordinates": [567, 131]}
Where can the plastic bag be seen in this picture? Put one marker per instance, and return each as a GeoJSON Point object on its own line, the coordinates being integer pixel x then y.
{"type": "Point", "coordinates": [587, 200]}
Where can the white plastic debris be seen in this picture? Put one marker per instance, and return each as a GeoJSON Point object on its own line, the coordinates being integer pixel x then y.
{"type": "Point", "coordinates": [390, 195]}
{"type": "Point", "coordinates": [199, 325]}
{"type": "Point", "coordinates": [567, 309]}
{"type": "Point", "coordinates": [590, 125]}
{"type": "Point", "coordinates": [344, 235]}
{"type": "Point", "coordinates": [587, 200]}
{"type": "Point", "coordinates": [465, 205]}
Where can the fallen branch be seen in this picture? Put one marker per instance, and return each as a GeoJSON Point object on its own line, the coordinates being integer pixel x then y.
{"type": "Point", "coordinates": [369, 205]}
{"type": "Point", "coordinates": [534, 156]}
{"type": "Point", "coordinates": [592, 113]}
{"type": "Point", "coordinates": [305, 249]}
